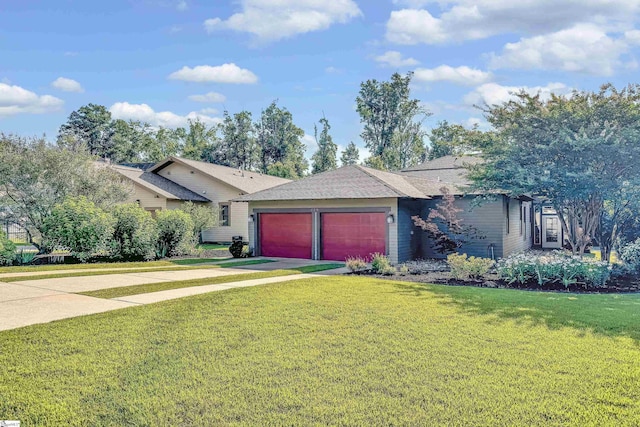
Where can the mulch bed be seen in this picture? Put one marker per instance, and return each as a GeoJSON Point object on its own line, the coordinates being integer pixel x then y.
{"type": "Point", "coordinates": [624, 284]}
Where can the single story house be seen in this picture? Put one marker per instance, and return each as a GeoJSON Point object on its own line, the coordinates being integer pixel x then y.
{"type": "Point", "coordinates": [357, 211]}
{"type": "Point", "coordinates": [173, 181]}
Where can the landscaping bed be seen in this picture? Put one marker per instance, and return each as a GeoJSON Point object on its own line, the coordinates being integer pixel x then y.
{"type": "Point", "coordinates": [534, 270]}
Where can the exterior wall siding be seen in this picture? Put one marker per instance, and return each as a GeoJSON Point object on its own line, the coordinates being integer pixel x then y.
{"type": "Point", "coordinates": [216, 191]}
{"type": "Point", "coordinates": [148, 199]}
{"type": "Point", "coordinates": [409, 236]}
{"type": "Point", "coordinates": [518, 238]}
{"type": "Point", "coordinates": [314, 205]}
{"type": "Point", "coordinates": [487, 218]}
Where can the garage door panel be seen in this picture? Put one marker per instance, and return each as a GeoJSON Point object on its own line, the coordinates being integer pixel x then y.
{"type": "Point", "coordinates": [287, 235]}
{"type": "Point", "coordinates": [353, 234]}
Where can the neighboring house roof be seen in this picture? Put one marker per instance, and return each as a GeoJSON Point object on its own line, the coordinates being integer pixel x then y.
{"type": "Point", "coordinates": [159, 185]}
{"type": "Point", "coordinates": [447, 169]}
{"type": "Point", "coordinates": [142, 165]}
{"type": "Point", "coordinates": [245, 181]}
{"type": "Point", "coordinates": [347, 182]}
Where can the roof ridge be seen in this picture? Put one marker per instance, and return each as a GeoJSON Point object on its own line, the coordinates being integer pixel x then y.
{"type": "Point", "coordinates": [365, 170]}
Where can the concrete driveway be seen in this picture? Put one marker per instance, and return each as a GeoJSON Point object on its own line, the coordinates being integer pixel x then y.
{"type": "Point", "coordinates": [40, 301]}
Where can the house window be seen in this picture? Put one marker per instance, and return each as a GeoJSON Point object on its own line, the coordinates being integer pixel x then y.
{"type": "Point", "coordinates": [508, 217]}
{"type": "Point", "coordinates": [520, 208]}
{"type": "Point", "coordinates": [225, 220]}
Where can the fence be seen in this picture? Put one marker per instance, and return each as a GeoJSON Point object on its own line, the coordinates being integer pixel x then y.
{"type": "Point", "coordinates": [15, 232]}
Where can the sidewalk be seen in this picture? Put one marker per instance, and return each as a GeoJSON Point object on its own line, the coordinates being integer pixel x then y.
{"type": "Point", "coordinates": [41, 301]}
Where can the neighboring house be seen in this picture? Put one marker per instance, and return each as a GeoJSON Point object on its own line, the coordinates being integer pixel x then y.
{"type": "Point", "coordinates": [357, 211]}
{"type": "Point", "coordinates": [219, 185]}
{"type": "Point", "coordinates": [154, 192]}
{"type": "Point", "coordinates": [174, 181]}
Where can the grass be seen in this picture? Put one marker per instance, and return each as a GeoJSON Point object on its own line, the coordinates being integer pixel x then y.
{"type": "Point", "coordinates": [117, 268]}
{"type": "Point", "coordinates": [337, 350]}
{"type": "Point", "coordinates": [163, 286]}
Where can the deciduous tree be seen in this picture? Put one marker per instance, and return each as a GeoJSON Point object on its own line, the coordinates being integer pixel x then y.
{"type": "Point", "coordinates": [325, 159]}
{"type": "Point", "coordinates": [350, 155]}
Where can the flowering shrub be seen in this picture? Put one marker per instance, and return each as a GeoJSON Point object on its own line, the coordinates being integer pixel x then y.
{"type": "Point", "coordinates": [553, 267]}
{"type": "Point", "coordinates": [630, 254]}
{"type": "Point", "coordinates": [463, 267]}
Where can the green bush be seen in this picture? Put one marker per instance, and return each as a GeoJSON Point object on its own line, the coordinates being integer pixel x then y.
{"type": "Point", "coordinates": [356, 264]}
{"type": "Point", "coordinates": [134, 233]}
{"type": "Point", "coordinates": [78, 225]}
{"type": "Point", "coordinates": [630, 255]}
{"type": "Point", "coordinates": [175, 233]}
{"type": "Point", "coordinates": [202, 216]}
{"type": "Point", "coordinates": [380, 264]}
{"type": "Point", "coordinates": [25, 257]}
{"type": "Point", "coordinates": [7, 250]}
{"type": "Point", "coordinates": [463, 267]}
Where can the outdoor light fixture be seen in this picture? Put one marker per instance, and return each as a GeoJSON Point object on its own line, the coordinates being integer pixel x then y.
{"type": "Point", "coordinates": [250, 219]}
{"type": "Point", "coordinates": [390, 219]}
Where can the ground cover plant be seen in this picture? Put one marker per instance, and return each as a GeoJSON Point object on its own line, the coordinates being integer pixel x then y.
{"type": "Point", "coordinates": [163, 286]}
{"type": "Point", "coordinates": [340, 350]}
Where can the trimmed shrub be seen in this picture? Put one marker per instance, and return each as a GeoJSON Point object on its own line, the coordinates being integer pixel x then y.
{"type": "Point", "coordinates": [80, 226]}
{"type": "Point", "coordinates": [356, 264]}
{"type": "Point", "coordinates": [553, 267]}
{"type": "Point", "coordinates": [7, 250]}
{"type": "Point", "coordinates": [630, 255]}
{"type": "Point", "coordinates": [380, 264]}
{"type": "Point", "coordinates": [134, 233]}
{"type": "Point", "coordinates": [175, 233]}
{"type": "Point", "coordinates": [463, 267]}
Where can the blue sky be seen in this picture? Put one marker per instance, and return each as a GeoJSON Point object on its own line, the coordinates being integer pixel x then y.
{"type": "Point", "coordinates": [163, 61]}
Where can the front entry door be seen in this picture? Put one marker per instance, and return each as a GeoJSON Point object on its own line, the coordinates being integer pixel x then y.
{"type": "Point", "coordinates": [551, 232]}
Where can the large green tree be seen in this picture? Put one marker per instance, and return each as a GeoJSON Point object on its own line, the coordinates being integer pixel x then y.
{"type": "Point", "coordinates": [238, 146]}
{"type": "Point", "coordinates": [90, 127]}
{"type": "Point", "coordinates": [280, 143]}
{"type": "Point", "coordinates": [392, 121]}
{"type": "Point", "coordinates": [448, 139]}
{"type": "Point", "coordinates": [350, 155]}
{"type": "Point", "coordinates": [577, 151]}
{"type": "Point", "coordinates": [198, 141]}
{"type": "Point", "coordinates": [35, 176]}
{"type": "Point", "coordinates": [325, 159]}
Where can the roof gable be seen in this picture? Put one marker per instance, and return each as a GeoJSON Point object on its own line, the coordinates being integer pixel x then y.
{"type": "Point", "coordinates": [245, 181]}
{"type": "Point", "coordinates": [159, 185]}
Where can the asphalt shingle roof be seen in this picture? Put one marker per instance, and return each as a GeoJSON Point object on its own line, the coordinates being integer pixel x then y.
{"type": "Point", "coordinates": [348, 182]}
{"type": "Point", "coordinates": [447, 169]}
{"type": "Point", "coordinates": [159, 184]}
{"type": "Point", "coordinates": [245, 181]}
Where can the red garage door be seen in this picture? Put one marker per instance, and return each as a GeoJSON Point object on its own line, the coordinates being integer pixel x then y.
{"type": "Point", "coordinates": [285, 235]}
{"type": "Point", "coordinates": [353, 234]}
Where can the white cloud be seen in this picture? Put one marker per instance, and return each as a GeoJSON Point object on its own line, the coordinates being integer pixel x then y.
{"type": "Point", "coordinates": [272, 20]}
{"type": "Point", "coordinates": [633, 37]}
{"type": "Point", "coordinates": [493, 93]}
{"type": "Point", "coordinates": [67, 85]}
{"type": "Point", "coordinates": [213, 97]}
{"type": "Point", "coordinates": [463, 75]}
{"type": "Point", "coordinates": [333, 70]}
{"type": "Point", "coordinates": [17, 100]}
{"type": "Point", "coordinates": [144, 113]}
{"type": "Point", "coordinates": [394, 59]}
{"type": "Point", "coordinates": [460, 20]}
{"type": "Point", "coordinates": [209, 111]}
{"type": "Point", "coordinates": [583, 48]}
{"type": "Point", "coordinates": [225, 73]}
{"type": "Point", "coordinates": [182, 6]}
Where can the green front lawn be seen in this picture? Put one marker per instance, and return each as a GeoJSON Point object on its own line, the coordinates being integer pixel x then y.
{"type": "Point", "coordinates": [213, 246]}
{"type": "Point", "coordinates": [338, 350]}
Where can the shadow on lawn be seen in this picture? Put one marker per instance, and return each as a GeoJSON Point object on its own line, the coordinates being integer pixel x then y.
{"type": "Point", "coordinates": [613, 315]}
